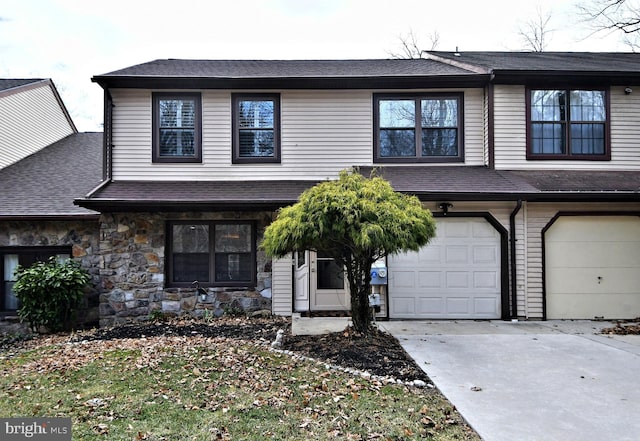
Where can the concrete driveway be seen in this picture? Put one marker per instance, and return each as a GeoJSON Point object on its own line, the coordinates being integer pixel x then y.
{"type": "Point", "coordinates": [532, 381]}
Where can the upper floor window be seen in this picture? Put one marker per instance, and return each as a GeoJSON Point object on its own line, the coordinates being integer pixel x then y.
{"type": "Point", "coordinates": [176, 127]}
{"type": "Point", "coordinates": [256, 128]}
{"type": "Point", "coordinates": [418, 128]}
{"type": "Point", "coordinates": [214, 253]}
{"type": "Point", "coordinates": [568, 124]}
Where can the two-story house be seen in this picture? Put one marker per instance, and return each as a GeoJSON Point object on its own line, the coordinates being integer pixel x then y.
{"type": "Point", "coordinates": [529, 161]}
{"type": "Point", "coordinates": [44, 164]}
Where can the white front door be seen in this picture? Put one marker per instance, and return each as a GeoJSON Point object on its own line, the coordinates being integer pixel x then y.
{"type": "Point", "coordinates": [592, 267]}
{"type": "Point", "coordinates": [301, 280]}
{"type": "Point", "coordinates": [328, 287]}
{"type": "Point", "coordinates": [456, 276]}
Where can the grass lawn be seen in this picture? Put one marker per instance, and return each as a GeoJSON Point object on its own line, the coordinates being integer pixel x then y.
{"type": "Point", "coordinates": [200, 388]}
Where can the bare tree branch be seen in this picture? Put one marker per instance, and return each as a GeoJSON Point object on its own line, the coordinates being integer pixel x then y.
{"type": "Point", "coordinates": [612, 15]}
{"type": "Point", "coordinates": [535, 33]}
{"type": "Point", "coordinates": [410, 46]}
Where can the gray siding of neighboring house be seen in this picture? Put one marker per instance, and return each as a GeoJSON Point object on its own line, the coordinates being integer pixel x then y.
{"type": "Point", "coordinates": [29, 121]}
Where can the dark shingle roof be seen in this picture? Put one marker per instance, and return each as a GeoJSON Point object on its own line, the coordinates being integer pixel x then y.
{"type": "Point", "coordinates": [290, 74]}
{"type": "Point", "coordinates": [183, 195]}
{"type": "Point", "coordinates": [572, 181]}
{"type": "Point", "coordinates": [45, 183]}
{"type": "Point", "coordinates": [11, 83]}
{"type": "Point", "coordinates": [427, 182]}
{"type": "Point", "coordinates": [548, 61]}
{"type": "Point", "coordinates": [287, 68]}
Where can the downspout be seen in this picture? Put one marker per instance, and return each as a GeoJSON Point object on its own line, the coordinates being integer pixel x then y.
{"type": "Point", "coordinates": [512, 252]}
{"type": "Point", "coordinates": [107, 172]}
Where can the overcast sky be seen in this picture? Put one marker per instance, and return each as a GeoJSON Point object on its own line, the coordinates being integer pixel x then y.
{"type": "Point", "coordinates": [72, 40]}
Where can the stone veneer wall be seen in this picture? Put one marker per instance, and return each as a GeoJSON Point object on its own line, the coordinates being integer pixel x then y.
{"type": "Point", "coordinates": [81, 236]}
{"type": "Point", "coordinates": [131, 264]}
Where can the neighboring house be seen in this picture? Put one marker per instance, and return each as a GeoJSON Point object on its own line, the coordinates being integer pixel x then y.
{"type": "Point", "coordinates": [529, 161]}
{"type": "Point", "coordinates": [38, 218]}
{"type": "Point", "coordinates": [32, 116]}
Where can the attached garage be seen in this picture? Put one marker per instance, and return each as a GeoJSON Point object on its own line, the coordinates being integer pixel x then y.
{"type": "Point", "coordinates": [457, 276]}
{"type": "Point", "coordinates": [592, 267]}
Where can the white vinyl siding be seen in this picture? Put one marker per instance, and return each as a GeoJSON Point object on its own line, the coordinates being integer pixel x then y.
{"type": "Point", "coordinates": [322, 132]}
{"type": "Point", "coordinates": [281, 287]}
{"type": "Point", "coordinates": [510, 127]}
{"type": "Point", "coordinates": [510, 133]}
{"type": "Point", "coordinates": [474, 139]}
{"type": "Point", "coordinates": [29, 121]}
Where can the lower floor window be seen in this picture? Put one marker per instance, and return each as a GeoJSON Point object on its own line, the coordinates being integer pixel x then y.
{"type": "Point", "coordinates": [213, 253]}
{"type": "Point", "coordinates": [11, 258]}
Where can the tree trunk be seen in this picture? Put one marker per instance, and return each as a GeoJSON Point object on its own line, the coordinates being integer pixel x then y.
{"type": "Point", "coordinates": [359, 277]}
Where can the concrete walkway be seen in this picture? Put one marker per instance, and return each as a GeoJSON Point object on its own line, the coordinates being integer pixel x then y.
{"type": "Point", "coordinates": [532, 381]}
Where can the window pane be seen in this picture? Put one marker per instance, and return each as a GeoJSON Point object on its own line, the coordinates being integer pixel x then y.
{"type": "Point", "coordinates": [439, 113]}
{"type": "Point", "coordinates": [189, 267]}
{"type": "Point", "coordinates": [587, 105]}
{"type": "Point", "coordinates": [439, 142]}
{"type": "Point", "coordinates": [330, 275]}
{"type": "Point", "coordinates": [397, 142]}
{"type": "Point", "coordinates": [547, 138]}
{"type": "Point", "coordinates": [548, 105]}
{"type": "Point", "coordinates": [190, 238]}
{"type": "Point", "coordinates": [177, 113]}
{"type": "Point", "coordinates": [10, 301]}
{"type": "Point", "coordinates": [190, 247]}
{"type": "Point", "coordinates": [256, 143]}
{"type": "Point", "coordinates": [233, 238]}
{"type": "Point", "coordinates": [177, 142]}
{"type": "Point", "coordinates": [234, 267]}
{"type": "Point", "coordinates": [256, 114]}
{"type": "Point", "coordinates": [397, 113]}
{"type": "Point", "coordinates": [587, 139]}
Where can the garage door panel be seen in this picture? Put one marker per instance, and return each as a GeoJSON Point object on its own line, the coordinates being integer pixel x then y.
{"type": "Point", "coordinates": [456, 254]}
{"type": "Point", "coordinates": [456, 276]}
{"type": "Point", "coordinates": [484, 254]}
{"type": "Point", "coordinates": [606, 281]}
{"type": "Point", "coordinates": [597, 228]}
{"type": "Point", "coordinates": [455, 229]}
{"type": "Point", "coordinates": [592, 267]}
{"type": "Point", "coordinates": [483, 230]}
{"type": "Point", "coordinates": [457, 279]}
{"type": "Point", "coordinates": [485, 306]}
{"type": "Point", "coordinates": [573, 306]}
{"type": "Point", "coordinates": [593, 253]}
{"type": "Point", "coordinates": [430, 279]}
{"type": "Point", "coordinates": [403, 279]}
{"type": "Point", "coordinates": [486, 280]}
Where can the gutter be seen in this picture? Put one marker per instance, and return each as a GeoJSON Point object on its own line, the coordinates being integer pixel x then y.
{"type": "Point", "coordinates": [512, 251]}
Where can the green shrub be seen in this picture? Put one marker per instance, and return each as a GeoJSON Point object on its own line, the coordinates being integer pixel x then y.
{"type": "Point", "coordinates": [49, 293]}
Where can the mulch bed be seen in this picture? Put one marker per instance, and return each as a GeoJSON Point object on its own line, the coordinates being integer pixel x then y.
{"type": "Point", "coordinates": [378, 353]}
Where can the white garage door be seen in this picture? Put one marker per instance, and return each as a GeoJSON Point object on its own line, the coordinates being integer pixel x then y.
{"type": "Point", "coordinates": [592, 267]}
{"type": "Point", "coordinates": [456, 276]}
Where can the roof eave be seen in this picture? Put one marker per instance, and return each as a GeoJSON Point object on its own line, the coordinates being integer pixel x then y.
{"type": "Point", "coordinates": [565, 76]}
{"type": "Point", "coordinates": [50, 217]}
{"type": "Point", "coordinates": [355, 82]}
{"type": "Point", "coordinates": [111, 205]}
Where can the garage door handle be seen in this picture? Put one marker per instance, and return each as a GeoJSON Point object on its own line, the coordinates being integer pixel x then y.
{"type": "Point", "coordinates": [599, 279]}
